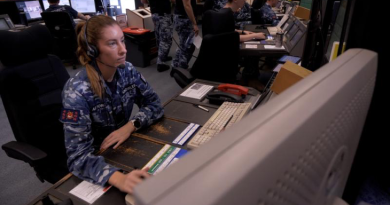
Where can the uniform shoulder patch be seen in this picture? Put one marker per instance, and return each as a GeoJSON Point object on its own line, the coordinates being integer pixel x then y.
{"type": "Point", "coordinates": [70, 115]}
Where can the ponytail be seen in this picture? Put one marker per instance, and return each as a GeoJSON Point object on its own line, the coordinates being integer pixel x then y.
{"type": "Point", "coordinates": [94, 27]}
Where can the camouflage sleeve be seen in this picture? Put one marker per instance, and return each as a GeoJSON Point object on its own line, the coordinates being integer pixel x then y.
{"type": "Point", "coordinates": [147, 100]}
{"type": "Point", "coordinates": [269, 16]}
{"type": "Point", "coordinates": [78, 140]}
{"type": "Point", "coordinates": [244, 13]}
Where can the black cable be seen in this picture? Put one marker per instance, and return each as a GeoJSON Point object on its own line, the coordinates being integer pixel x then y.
{"type": "Point", "coordinates": [181, 48]}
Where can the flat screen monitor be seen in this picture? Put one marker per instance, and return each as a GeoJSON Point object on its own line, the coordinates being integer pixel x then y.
{"type": "Point", "coordinates": [84, 6]}
{"type": "Point", "coordinates": [32, 9]}
{"type": "Point", "coordinates": [62, 2]}
{"type": "Point", "coordinates": [5, 22]}
{"type": "Point", "coordinates": [298, 148]}
{"type": "Point", "coordinates": [296, 38]}
{"type": "Point", "coordinates": [287, 26]}
{"type": "Point", "coordinates": [290, 33]}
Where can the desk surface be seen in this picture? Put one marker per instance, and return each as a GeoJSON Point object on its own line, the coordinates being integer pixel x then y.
{"type": "Point", "coordinates": [141, 146]}
{"type": "Point", "coordinates": [259, 49]}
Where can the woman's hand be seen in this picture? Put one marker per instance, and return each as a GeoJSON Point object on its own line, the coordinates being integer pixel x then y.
{"type": "Point", "coordinates": [118, 136]}
{"type": "Point", "coordinates": [127, 182]}
{"type": "Point", "coordinates": [260, 35]}
{"type": "Point", "coordinates": [247, 32]}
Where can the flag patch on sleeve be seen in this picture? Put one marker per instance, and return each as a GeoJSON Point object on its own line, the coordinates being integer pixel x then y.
{"type": "Point", "coordinates": [69, 115]}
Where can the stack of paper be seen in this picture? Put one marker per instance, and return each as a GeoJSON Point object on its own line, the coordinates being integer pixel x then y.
{"type": "Point", "coordinates": [165, 157]}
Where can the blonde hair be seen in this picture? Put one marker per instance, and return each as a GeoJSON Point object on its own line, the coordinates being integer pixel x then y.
{"type": "Point", "coordinates": [95, 25]}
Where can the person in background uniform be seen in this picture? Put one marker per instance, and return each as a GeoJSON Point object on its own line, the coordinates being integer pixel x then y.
{"type": "Point", "coordinates": [242, 16]}
{"type": "Point", "coordinates": [162, 19]}
{"type": "Point", "coordinates": [227, 25]}
{"type": "Point", "coordinates": [268, 15]}
{"type": "Point", "coordinates": [98, 101]}
{"type": "Point", "coordinates": [54, 7]}
{"type": "Point", "coordinates": [186, 27]}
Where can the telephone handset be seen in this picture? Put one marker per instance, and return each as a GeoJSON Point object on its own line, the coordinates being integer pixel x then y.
{"type": "Point", "coordinates": [233, 89]}
{"type": "Point", "coordinates": [218, 97]}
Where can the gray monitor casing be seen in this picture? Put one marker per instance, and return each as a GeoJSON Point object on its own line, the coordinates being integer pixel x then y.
{"type": "Point", "coordinates": [296, 149]}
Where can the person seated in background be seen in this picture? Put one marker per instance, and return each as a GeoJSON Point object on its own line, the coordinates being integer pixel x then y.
{"type": "Point", "coordinates": [98, 102]}
{"type": "Point", "coordinates": [229, 9]}
{"type": "Point", "coordinates": [55, 7]}
{"type": "Point", "coordinates": [268, 15]}
{"type": "Point", "coordinates": [241, 17]}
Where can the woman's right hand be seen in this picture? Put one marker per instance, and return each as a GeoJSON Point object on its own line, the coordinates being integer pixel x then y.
{"type": "Point", "coordinates": [260, 35]}
{"type": "Point", "coordinates": [127, 182]}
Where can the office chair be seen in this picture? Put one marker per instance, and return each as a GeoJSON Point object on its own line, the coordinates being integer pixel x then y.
{"type": "Point", "coordinates": [62, 28]}
{"type": "Point", "coordinates": [257, 4]}
{"type": "Point", "coordinates": [216, 22]}
{"type": "Point", "coordinates": [31, 84]}
{"type": "Point", "coordinates": [217, 60]}
{"type": "Point", "coordinates": [256, 15]}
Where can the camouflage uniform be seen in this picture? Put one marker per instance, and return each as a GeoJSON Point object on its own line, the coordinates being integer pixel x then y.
{"type": "Point", "coordinates": [163, 31]}
{"type": "Point", "coordinates": [184, 29]}
{"type": "Point", "coordinates": [88, 119]}
{"type": "Point", "coordinates": [268, 15]}
{"type": "Point", "coordinates": [242, 17]}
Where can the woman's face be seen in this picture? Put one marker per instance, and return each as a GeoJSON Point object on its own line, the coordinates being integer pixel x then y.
{"type": "Point", "coordinates": [111, 45]}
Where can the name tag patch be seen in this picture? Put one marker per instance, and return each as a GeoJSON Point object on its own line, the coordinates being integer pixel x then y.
{"type": "Point", "coordinates": [68, 115]}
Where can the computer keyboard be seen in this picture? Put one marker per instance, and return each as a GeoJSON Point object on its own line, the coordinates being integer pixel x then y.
{"type": "Point", "coordinates": [226, 115]}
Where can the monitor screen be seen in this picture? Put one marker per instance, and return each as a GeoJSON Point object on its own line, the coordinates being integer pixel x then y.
{"type": "Point", "coordinates": [297, 148]}
{"type": "Point", "coordinates": [62, 2]}
{"type": "Point", "coordinates": [292, 31]}
{"type": "Point", "coordinates": [3, 24]}
{"type": "Point", "coordinates": [296, 38]}
{"type": "Point", "coordinates": [32, 9]}
{"type": "Point", "coordinates": [84, 6]}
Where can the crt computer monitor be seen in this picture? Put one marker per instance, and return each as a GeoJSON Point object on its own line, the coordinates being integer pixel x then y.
{"type": "Point", "coordinates": [62, 2]}
{"type": "Point", "coordinates": [32, 9]}
{"type": "Point", "coordinates": [297, 148]}
{"type": "Point", "coordinates": [84, 6]}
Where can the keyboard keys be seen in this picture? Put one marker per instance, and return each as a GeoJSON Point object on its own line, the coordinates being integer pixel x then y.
{"type": "Point", "coordinates": [226, 115]}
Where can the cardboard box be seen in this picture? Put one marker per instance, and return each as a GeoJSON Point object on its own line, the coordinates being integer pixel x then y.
{"type": "Point", "coordinates": [302, 12]}
{"type": "Point", "coordinates": [289, 74]}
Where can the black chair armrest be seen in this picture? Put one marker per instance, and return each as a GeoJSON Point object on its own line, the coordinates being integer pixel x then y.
{"type": "Point", "coordinates": [182, 76]}
{"type": "Point", "coordinates": [24, 152]}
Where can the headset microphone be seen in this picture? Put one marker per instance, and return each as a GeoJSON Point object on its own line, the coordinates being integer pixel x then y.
{"type": "Point", "coordinates": [121, 66]}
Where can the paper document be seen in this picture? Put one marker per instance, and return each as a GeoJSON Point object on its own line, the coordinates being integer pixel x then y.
{"type": "Point", "coordinates": [196, 91]}
{"type": "Point", "coordinates": [89, 192]}
{"type": "Point", "coordinates": [250, 46]}
{"type": "Point", "coordinates": [197, 41]}
{"type": "Point", "coordinates": [272, 47]}
{"type": "Point", "coordinates": [187, 133]}
{"type": "Point", "coordinates": [164, 158]}
{"type": "Point", "coordinates": [252, 42]}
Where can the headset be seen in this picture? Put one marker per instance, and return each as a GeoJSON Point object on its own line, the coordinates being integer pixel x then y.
{"type": "Point", "coordinates": [92, 51]}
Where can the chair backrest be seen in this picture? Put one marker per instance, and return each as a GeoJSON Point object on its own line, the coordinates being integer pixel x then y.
{"type": "Point", "coordinates": [218, 58]}
{"type": "Point", "coordinates": [257, 16]}
{"type": "Point", "coordinates": [257, 4]}
{"type": "Point", "coordinates": [62, 28]}
{"type": "Point", "coordinates": [216, 22]}
{"type": "Point", "coordinates": [30, 86]}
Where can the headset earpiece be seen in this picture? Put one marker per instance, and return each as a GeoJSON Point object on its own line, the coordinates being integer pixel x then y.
{"type": "Point", "coordinates": [92, 51]}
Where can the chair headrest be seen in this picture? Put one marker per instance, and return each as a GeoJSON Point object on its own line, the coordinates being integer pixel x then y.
{"type": "Point", "coordinates": [17, 48]}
